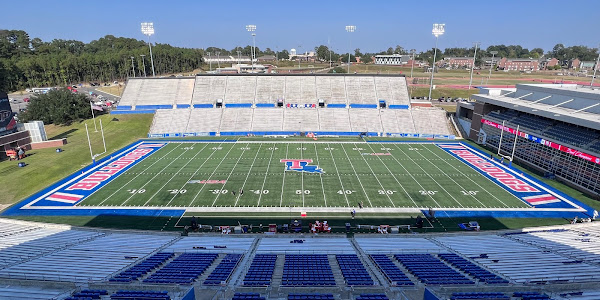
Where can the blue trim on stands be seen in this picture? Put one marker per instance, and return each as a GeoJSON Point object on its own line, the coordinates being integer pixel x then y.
{"type": "Point", "coordinates": [396, 106]}
{"type": "Point", "coordinates": [147, 107]}
{"type": "Point", "coordinates": [238, 105]}
{"type": "Point", "coordinates": [258, 105]}
{"type": "Point", "coordinates": [355, 105]}
{"type": "Point", "coordinates": [123, 107]}
{"type": "Point", "coordinates": [336, 105]}
{"type": "Point", "coordinates": [183, 106]}
{"type": "Point", "coordinates": [131, 112]}
{"type": "Point", "coordinates": [204, 105]}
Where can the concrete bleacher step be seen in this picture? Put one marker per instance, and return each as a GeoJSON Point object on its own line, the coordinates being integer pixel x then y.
{"type": "Point", "coordinates": [378, 277]}
{"type": "Point", "coordinates": [337, 272]}
{"type": "Point", "coordinates": [278, 272]}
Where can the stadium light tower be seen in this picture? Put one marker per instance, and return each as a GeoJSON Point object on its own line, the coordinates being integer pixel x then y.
{"type": "Point", "coordinates": [148, 30]}
{"type": "Point", "coordinates": [412, 65]}
{"type": "Point", "coordinates": [438, 29]}
{"type": "Point", "coordinates": [144, 63]}
{"type": "Point", "coordinates": [491, 65]}
{"type": "Point", "coordinates": [476, 44]}
{"type": "Point", "coordinates": [350, 29]}
{"type": "Point", "coordinates": [132, 67]}
{"type": "Point", "coordinates": [596, 68]}
{"type": "Point", "coordinates": [252, 29]}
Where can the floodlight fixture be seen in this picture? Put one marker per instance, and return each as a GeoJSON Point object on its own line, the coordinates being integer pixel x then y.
{"type": "Point", "coordinates": [438, 29]}
{"type": "Point", "coordinates": [148, 30]}
{"type": "Point", "coordinates": [252, 29]}
{"type": "Point", "coordinates": [349, 29]}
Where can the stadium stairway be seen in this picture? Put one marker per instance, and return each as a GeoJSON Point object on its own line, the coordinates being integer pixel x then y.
{"type": "Point", "coordinates": [337, 272]}
{"type": "Point", "coordinates": [378, 277]}
{"type": "Point", "coordinates": [278, 273]}
{"type": "Point", "coordinates": [238, 274]}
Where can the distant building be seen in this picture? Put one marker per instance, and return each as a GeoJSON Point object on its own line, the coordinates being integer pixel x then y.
{"type": "Point", "coordinates": [266, 58]}
{"type": "Point", "coordinates": [226, 59]}
{"type": "Point", "coordinates": [307, 56]}
{"type": "Point", "coordinates": [491, 61]}
{"type": "Point", "coordinates": [518, 64]}
{"type": "Point", "coordinates": [244, 68]}
{"type": "Point", "coordinates": [587, 65]}
{"type": "Point", "coordinates": [456, 62]}
{"type": "Point", "coordinates": [549, 63]}
{"type": "Point", "coordinates": [394, 59]}
{"type": "Point", "coordinates": [574, 64]}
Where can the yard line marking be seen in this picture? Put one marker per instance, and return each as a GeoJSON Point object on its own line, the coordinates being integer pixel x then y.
{"type": "Point", "coordinates": [266, 173]}
{"type": "Point", "coordinates": [320, 175]}
{"type": "Point", "coordinates": [213, 172]}
{"type": "Point", "coordinates": [249, 170]}
{"type": "Point", "coordinates": [232, 169]}
{"type": "Point", "coordinates": [194, 174]}
{"type": "Point", "coordinates": [413, 177]}
{"type": "Point", "coordinates": [401, 186]}
{"type": "Point", "coordinates": [491, 194]}
{"type": "Point", "coordinates": [473, 196]}
{"type": "Point", "coordinates": [338, 174]}
{"type": "Point", "coordinates": [429, 176]}
{"type": "Point", "coordinates": [287, 146]}
{"type": "Point", "coordinates": [132, 179]}
{"type": "Point", "coordinates": [361, 185]}
{"type": "Point", "coordinates": [376, 178]}
{"type": "Point", "coordinates": [174, 175]}
{"type": "Point", "coordinates": [302, 177]}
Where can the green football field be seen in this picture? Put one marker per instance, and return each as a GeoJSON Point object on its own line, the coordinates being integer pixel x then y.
{"type": "Point", "coordinates": [401, 175]}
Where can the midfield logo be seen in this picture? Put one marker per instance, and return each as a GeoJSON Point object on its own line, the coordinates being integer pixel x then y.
{"type": "Point", "coordinates": [301, 165]}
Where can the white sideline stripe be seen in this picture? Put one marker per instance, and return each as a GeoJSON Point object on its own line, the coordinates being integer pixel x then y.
{"type": "Point", "coordinates": [287, 148]}
{"type": "Point", "coordinates": [429, 176]}
{"type": "Point", "coordinates": [376, 178]}
{"type": "Point", "coordinates": [338, 174]}
{"type": "Point", "coordinates": [132, 179]}
{"type": "Point", "coordinates": [52, 198]}
{"type": "Point", "coordinates": [76, 178]}
{"type": "Point", "coordinates": [401, 186]}
{"type": "Point", "coordinates": [544, 202]}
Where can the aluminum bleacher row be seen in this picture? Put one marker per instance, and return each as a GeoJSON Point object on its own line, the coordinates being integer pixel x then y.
{"type": "Point", "coordinates": [562, 132]}
{"type": "Point", "coordinates": [301, 296]}
{"type": "Point", "coordinates": [353, 270]}
{"type": "Point", "coordinates": [148, 94]}
{"type": "Point", "coordinates": [142, 268]}
{"type": "Point", "coordinates": [247, 296]}
{"type": "Point", "coordinates": [430, 270]}
{"type": "Point", "coordinates": [390, 270]}
{"type": "Point", "coordinates": [261, 270]}
{"type": "Point", "coordinates": [372, 297]}
{"type": "Point", "coordinates": [184, 269]}
{"type": "Point", "coordinates": [240, 121]}
{"type": "Point", "coordinates": [307, 270]}
{"type": "Point", "coordinates": [472, 269]}
{"type": "Point", "coordinates": [222, 272]}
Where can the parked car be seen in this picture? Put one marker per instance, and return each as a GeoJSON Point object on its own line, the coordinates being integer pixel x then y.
{"type": "Point", "coordinates": [94, 84]}
{"type": "Point", "coordinates": [13, 100]}
{"type": "Point", "coordinates": [25, 99]}
{"type": "Point", "coordinates": [74, 86]}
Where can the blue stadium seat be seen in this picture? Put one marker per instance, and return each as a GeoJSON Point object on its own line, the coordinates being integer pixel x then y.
{"type": "Point", "coordinates": [261, 270]}
{"type": "Point", "coordinates": [472, 269]}
{"type": "Point", "coordinates": [353, 270]}
{"type": "Point", "coordinates": [142, 268]}
{"type": "Point", "coordinates": [222, 272]}
{"type": "Point", "coordinates": [390, 270]}
{"type": "Point", "coordinates": [184, 269]}
{"type": "Point", "coordinates": [307, 270]}
{"type": "Point", "coordinates": [430, 270]}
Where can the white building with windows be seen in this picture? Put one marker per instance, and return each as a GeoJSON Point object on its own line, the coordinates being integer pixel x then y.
{"type": "Point", "coordinates": [394, 59]}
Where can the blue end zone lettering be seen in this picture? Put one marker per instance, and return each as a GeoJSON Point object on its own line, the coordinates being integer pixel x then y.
{"type": "Point", "coordinates": [80, 187]}
{"type": "Point", "coordinates": [530, 191]}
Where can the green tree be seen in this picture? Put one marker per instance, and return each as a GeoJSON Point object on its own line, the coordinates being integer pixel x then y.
{"type": "Point", "coordinates": [60, 107]}
{"type": "Point", "coordinates": [322, 52]}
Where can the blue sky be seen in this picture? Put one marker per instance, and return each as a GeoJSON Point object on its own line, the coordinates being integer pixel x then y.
{"type": "Point", "coordinates": [305, 24]}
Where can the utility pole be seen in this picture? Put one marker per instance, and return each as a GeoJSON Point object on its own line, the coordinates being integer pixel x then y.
{"type": "Point", "coordinates": [473, 64]}
{"type": "Point", "coordinates": [132, 67]}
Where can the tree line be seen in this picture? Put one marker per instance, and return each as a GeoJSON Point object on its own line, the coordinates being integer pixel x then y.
{"type": "Point", "coordinates": [30, 62]}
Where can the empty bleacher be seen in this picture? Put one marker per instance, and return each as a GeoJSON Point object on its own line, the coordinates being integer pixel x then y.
{"type": "Point", "coordinates": [90, 260]}
{"type": "Point", "coordinates": [156, 93]}
{"type": "Point", "coordinates": [391, 271]}
{"type": "Point", "coordinates": [353, 270]}
{"type": "Point", "coordinates": [472, 269]}
{"type": "Point", "coordinates": [430, 270]}
{"type": "Point", "coordinates": [307, 270]}
{"type": "Point", "coordinates": [31, 292]}
{"type": "Point", "coordinates": [267, 119]}
{"type": "Point", "coordinates": [184, 269]}
{"type": "Point", "coordinates": [223, 271]}
{"type": "Point", "coordinates": [365, 120]}
{"type": "Point", "coordinates": [300, 120]}
{"type": "Point", "coordinates": [261, 270]}
{"type": "Point", "coordinates": [202, 120]}
{"type": "Point", "coordinates": [334, 120]}
{"type": "Point", "coordinates": [338, 91]}
{"type": "Point", "coordinates": [236, 119]}
{"type": "Point", "coordinates": [142, 268]}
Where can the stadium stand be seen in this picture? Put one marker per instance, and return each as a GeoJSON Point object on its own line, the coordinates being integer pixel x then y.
{"type": "Point", "coordinates": [138, 295]}
{"type": "Point", "coordinates": [300, 120]}
{"type": "Point", "coordinates": [391, 271]}
{"type": "Point", "coordinates": [95, 259]}
{"type": "Point", "coordinates": [261, 270]}
{"type": "Point", "coordinates": [142, 268]}
{"type": "Point", "coordinates": [372, 297]}
{"type": "Point", "coordinates": [202, 120]}
{"type": "Point", "coordinates": [430, 270]}
{"type": "Point", "coordinates": [479, 295]}
{"type": "Point", "coordinates": [155, 93]}
{"type": "Point", "coordinates": [30, 292]}
{"type": "Point", "coordinates": [236, 120]}
{"type": "Point", "coordinates": [520, 262]}
{"type": "Point", "coordinates": [267, 119]}
{"type": "Point", "coordinates": [301, 296]}
{"type": "Point", "coordinates": [397, 245]}
{"type": "Point", "coordinates": [307, 270]}
{"type": "Point", "coordinates": [353, 270]}
{"type": "Point", "coordinates": [88, 294]}
{"type": "Point", "coordinates": [365, 120]}
{"type": "Point", "coordinates": [184, 269]}
{"type": "Point", "coordinates": [470, 268]}
{"type": "Point", "coordinates": [223, 271]}
{"type": "Point", "coordinates": [247, 296]}
{"type": "Point", "coordinates": [216, 244]}
{"type": "Point", "coordinates": [337, 120]}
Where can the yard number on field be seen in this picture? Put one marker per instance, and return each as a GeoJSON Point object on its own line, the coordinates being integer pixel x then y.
{"type": "Point", "coordinates": [188, 148]}
{"type": "Point", "coordinates": [425, 193]}
{"type": "Point", "coordinates": [219, 191]}
{"type": "Point", "coordinates": [258, 192]}
{"type": "Point", "coordinates": [383, 192]}
{"type": "Point", "coordinates": [175, 192]}
{"type": "Point", "coordinates": [299, 192]}
{"type": "Point", "coordinates": [470, 193]}
{"type": "Point", "coordinates": [140, 191]}
{"type": "Point", "coordinates": [347, 192]}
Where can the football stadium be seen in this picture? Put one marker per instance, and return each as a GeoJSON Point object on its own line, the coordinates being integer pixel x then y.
{"type": "Point", "coordinates": [303, 185]}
